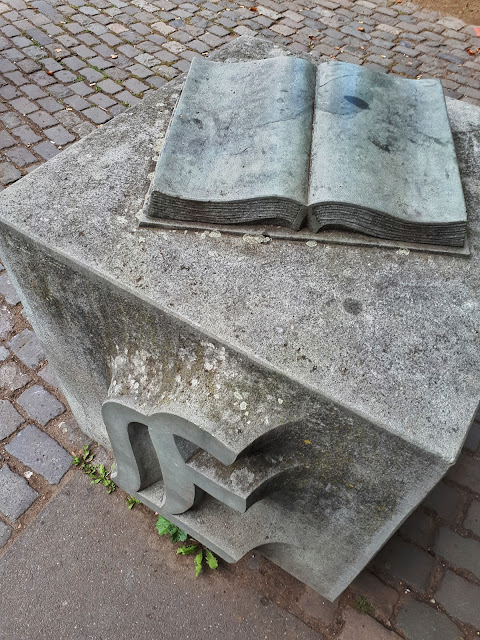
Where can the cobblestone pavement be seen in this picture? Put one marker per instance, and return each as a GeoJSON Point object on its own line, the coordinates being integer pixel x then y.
{"type": "Point", "coordinates": [68, 68]}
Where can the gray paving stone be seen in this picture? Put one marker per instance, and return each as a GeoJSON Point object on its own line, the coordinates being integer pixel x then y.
{"type": "Point", "coordinates": [5, 533]}
{"type": "Point", "coordinates": [467, 473]}
{"type": "Point", "coordinates": [26, 134]}
{"type": "Point", "coordinates": [20, 156]}
{"type": "Point", "coordinates": [420, 621]}
{"type": "Point", "coordinates": [7, 321]}
{"type": "Point", "coordinates": [48, 374]}
{"type": "Point", "coordinates": [46, 149]}
{"type": "Point", "coordinates": [74, 434]}
{"type": "Point", "coordinates": [7, 290]}
{"type": "Point", "coordinates": [8, 173]}
{"type": "Point", "coordinates": [10, 419]}
{"type": "Point", "coordinates": [40, 405]}
{"type": "Point", "coordinates": [461, 552]}
{"type": "Point", "coordinates": [12, 377]}
{"type": "Point", "coordinates": [16, 495]}
{"type": "Point", "coordinates": [445, 501]}
{"type": "Point", "coordinates": [42, 119]}
{"type": "Point", "coordinates": [6, 140]}
{"type": "Point", "coordinates": [41, 453]}
{"type": "Point", "coordinates": [472, 521]}
{"type": "Point", "coordinates": [473, 438]}
{"type": "Point", "coordinates": [59, 135]}
{"type": "Point", "coordinates": [28, 348]}
{"type": "Point", "coordinates": [460, 598]}
{"type": "Point", "coordinates": [403, 561]}
{"type": "Point", "coordinates": [4, 353]}
{"type": "Point", "coordinates": [97, 115]}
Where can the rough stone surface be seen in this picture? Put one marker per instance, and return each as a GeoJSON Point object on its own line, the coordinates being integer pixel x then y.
{"type": "Point", "coordinates": [74, 434]}
{"type": "Point", "coordinates": [418, 621]}
{"type": "Point", "coordinates": [16, 495]}
{"type": "Point", "coordinates": [6, 322]}
{"type": "Point", "coordinates": [460, 598]}
{"type": "Point", "coordinates": [472, 521]}
{"type": "Point", "coordinates": [5, 533]}
{"type": "Point", "coordinates": [41, 453]}
{"type": "Point", "coordinates": [40, 405]}
{"type": "Point", "coordinates": [48, 374]}
{"type": "Point", "coordinates": [403, 561]}
{"type": "Point", "coordinates": [444, 500]}
{"type": "Point", "coordinates": [459, 551]}
{"type": "Point", "coordinates": [384, 598]}
{"type": "Point", "coordinates": [12, 377]}
{"type": "Point", "coordinates": [139, 572]}
{"type": "Point", "coordinates": [85, 282]}
{"type": "Point", "coordinates": [27, 347]}
{"type": "Point", "coordinates": [10, 419]}
{"type": "Point", "coordinates": [7, 290]}
{"type": "Point", "coordinates": [361, 627]}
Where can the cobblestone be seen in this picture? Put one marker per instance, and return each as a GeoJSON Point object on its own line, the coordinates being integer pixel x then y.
{"type": "Point", "coordinates": [418, 620]}
{"type": "Point", "coordinates": [16, 495]}
{"type": "Point", "coordinates": [472, 521]}
{"type": "Point", "coordinates": [10, 419]}
{"type": "Point", "coordinates": [12, 377]}
{"type": "Point", "coordinates": [399, 560]}
{"type": "Point", "coordinates": [5, 533]}
{"type": "Point", "coordinates": [6, 322]}
{"type": "Point", "coordinates": [40, 405]}
{"type": "Point", "coordinates": [27, 347]}
{"type": "Point", "coordinates": [361, 627]}
{"type": "Point", "coordinates": [445, 501]}
{"type": "Point", "coordinates": [460, 598]}
{"type": "Point", "coordinates": [460, 552]}
{"type": "Point", "coordinates": [7, 290]}
{"type": "Point", "coordinates": [41, 453]}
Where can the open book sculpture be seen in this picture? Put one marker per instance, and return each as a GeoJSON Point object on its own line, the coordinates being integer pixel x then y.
{"type": "Point", "coordinates": [281, 141]}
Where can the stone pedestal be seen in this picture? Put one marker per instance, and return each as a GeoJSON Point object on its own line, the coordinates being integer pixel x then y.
{"type": "Point", "coordinates": [296, 398]}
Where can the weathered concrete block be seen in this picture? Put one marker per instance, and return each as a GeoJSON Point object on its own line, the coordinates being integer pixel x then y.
{"type": "Point", "coordinates": [303, 399]}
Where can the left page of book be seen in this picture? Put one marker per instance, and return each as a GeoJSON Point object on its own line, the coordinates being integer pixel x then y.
{"type": "Point", "coordinates": [238, 146]}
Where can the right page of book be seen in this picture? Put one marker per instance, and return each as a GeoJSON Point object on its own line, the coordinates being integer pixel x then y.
{"type": "Point", "coordinates": [382, 146]}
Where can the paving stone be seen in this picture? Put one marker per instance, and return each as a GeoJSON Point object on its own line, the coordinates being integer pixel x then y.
{"type": "Point", "coordinates": [49, 375]}
{"type": "Point", "coordinates": [461, 552]}
{"type": "Point", "coordinates": [42, 119]}
{"type": "Point", "coordinates": [16, 495]}
{"type": "Point", "coordinates": [472, 441]}
{"type": "Point", "coordinates": [91, 75]}
{"type": "Point", "coordinates": [97, 115]}
{"type": "Point", "coordinates": [8, 173]}
{"type": "Point", "coordinates": [419, 528]}
{"type": "Point", "coordinates": [5, 533]}
{"type": "Point", "coordinates": [6, 140]}
{"type": "Point", "coordinates": [28, 348]}
{"type": "Point", "coordinates": [418, 620]}
{"type": "Point", "coordinates": [26, 134]}
{"type": "Point", "coordinates": [4, 353]}
{"type": "Point", "coordinates": [12, 377]}
{"type": "Point", "coordinates": [7, 321]}
{"type": "Point", "coordinates": [20, 156]}
{"type": "Point", "coordinates": [59, 135]}
{"type": "Point", "coordinates": [109, 86]}
{"type": "Point", "coordinates": [40, 405]}
{"type": "Point", "coordinates": [46, 149]}
{"type": "Point", "coordinates": [467, 473]}
{"type": "Point", "coordinates": [10, 419]}
{"type": "Point", "coordinates": [445, 501]}
{"type": "Point", "coordinates": [33, 92]}
{"type": "Point", "coordinates": [403, 561]}
{"type": "Point", "coordinates": [460, 598]}
{"type": "Point", "coordinates": [74, 434]}
{"type": "Point", "coordinates": [384, 598]}
{"type": "Point", "coordinates": [102, 101]}
{"type": "Point", "coordinates": [472, 521]}
{"type": "Point", "coordinates": [41, 453]}
{"type": "Point", "coordinates": [361, 627]}
{"type": "Point", "coordinates": [77, 102]}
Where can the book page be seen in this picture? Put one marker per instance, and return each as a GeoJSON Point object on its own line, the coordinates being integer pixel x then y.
{"type": "Point", "coordinates": [384, 143]}
{"type": "Point", "coordinates": [240, 132]}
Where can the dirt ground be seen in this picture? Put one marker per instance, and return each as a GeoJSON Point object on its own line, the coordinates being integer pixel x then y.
{"type": "Point", "coordinates": [466, 10]}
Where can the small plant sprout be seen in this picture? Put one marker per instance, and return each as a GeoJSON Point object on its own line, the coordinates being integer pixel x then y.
{"type": "Point", "coordinates": [131, 501]}
{"type": "Point", "coordinates": [363, 606]}
{"type": "Point", "coordinates": [97, 473]}
{"type": "Point", "coordinates": [164, 527]}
